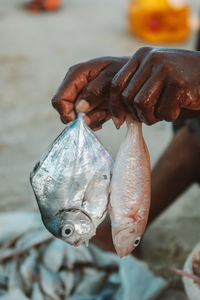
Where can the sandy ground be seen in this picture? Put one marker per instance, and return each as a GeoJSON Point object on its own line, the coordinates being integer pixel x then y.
{"type": "Point", "coordinates": [35, 53]}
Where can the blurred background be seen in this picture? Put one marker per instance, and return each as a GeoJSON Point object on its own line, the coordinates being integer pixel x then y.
{"type": "Point", "coordinates": [36, 50]}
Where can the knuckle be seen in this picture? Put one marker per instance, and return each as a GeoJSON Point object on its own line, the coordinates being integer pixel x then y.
{"type": "Point", "coordinates": [155, 56]}
{"type": "Point", "coordinates": [55, 102]}
{"type": "Point", "coordinates": [177, 86]}
{"type": "Point", "coordinates": [71, 69]}
{"type": "Point", "coordinates": [140, 103]}
{"type": "Point", "coordinates": [167, 67]}
{"type": "Point", "coordinates": [93, 96]}
{"type": "Point", "coordinates": [126, 97]}
{"type": "Point", "coordinates": [143, 50]}
{"type": "Point", "coordinates": [91, 92]}
{"type": "Point", "coordinates": [180, 83]}
{"type": "Point", "coordinates": [74, 68]}
{"type": "Point", "coordinates": [116, 85]}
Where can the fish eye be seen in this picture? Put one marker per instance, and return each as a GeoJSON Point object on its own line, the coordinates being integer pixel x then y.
{"type": "Point", "coordinates": [67, 230]}
{"type": "Point", "coordinates": [137, 241]}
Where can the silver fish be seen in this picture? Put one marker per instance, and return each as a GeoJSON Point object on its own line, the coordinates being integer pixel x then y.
{"type": "Point", "coordinates": [2, 293]}
{"type": "Point", "coordinates": [15, 281]}
{"type": "Point", "coordinates": [51, 284]}
{"type": "Point", "coordinates": [68, 279]}
{"type": "Point", "coordinates": [32, 238]}
{"type": "Point", "coordinates": [16, 294]}
{"type": "Point", "coordinates": [92, 282]}
{"type": "Point", "coordinates": [53, 255]}
{"type": "Point", "coordinates": [79, 255]}
{"type": "Point", "coordinates": [3, 281]}
{"type": "Point", "coordinates": [71, 184]}
{"type": "Point", "coordinates": [36, 293]}
{"type": "Point", "coordinates": [28, 269]}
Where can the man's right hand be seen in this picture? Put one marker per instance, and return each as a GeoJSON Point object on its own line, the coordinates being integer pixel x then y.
{"type": "Point", "coordinates": [90, 82]}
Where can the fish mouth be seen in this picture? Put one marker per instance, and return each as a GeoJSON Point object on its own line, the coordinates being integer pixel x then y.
{"type": "Point", "coordinates": [77, 243]}
{"type": "Point", "coordinates": [80, 219]}
{"type": "Point", "coordinates": [73, 209]}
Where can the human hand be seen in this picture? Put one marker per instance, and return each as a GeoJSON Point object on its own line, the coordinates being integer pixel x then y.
{"type": "Point", "coordinates": [157, 84]}
{"type": "Point", "coordinates": [89, 81]}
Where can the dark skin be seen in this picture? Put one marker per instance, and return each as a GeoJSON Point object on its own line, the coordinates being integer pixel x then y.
{"type": "Point", "coordinates": [90, 81]}
{"type": "Point", "coordinates": [155, 84]}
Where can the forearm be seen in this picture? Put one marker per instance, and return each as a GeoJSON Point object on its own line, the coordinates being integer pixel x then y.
{"type": "Point", "coordinates": [175, 171]}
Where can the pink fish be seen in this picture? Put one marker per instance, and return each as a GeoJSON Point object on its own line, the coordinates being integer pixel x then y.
{"type": "Point", "coordinates": [130, 190]}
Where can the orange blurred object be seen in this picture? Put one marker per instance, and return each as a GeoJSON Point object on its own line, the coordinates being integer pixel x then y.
{"type": "Point", "coordinates": [159, 20]}
{"type": "Point", "coordinates": [48, 5]}
{"type": "Point", "coordinates": [51, 4]}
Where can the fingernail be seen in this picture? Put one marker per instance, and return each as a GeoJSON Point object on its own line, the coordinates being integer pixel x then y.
{"type": "Point", "coordinates": [82, 106]}
{"type": "Point", "coordinates": [86, 120]}
{"type": "Point", "coordinates": [116, 122]}
{"type": "Point", "coordinates": [71, 116]}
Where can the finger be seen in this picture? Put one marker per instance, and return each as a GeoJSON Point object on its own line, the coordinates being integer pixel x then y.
{"type": "Point", "coordinates": [98, 89]}
{"type": "Point", "coordinates": [96, 118]}
{"type": "Point", "coordinates": [122, 78]}
{"type": "Point", "coordinates": [127, 71]}
{"type": "Point", "coordinates": [98, 128]}
{"type": "Point", "coordinates": [74, 82]}
{"type": "Point", "coordinates": [134, 85]}
{"type": "Point", "coordinates": [103, 121]}
{"type": "Point", "coordinates": [146, 99]}
{"type": "Point", "coordinates": [119, 83]}
{"type": "Point", "coordinates": [127, 96]}
{"type": "Point", "coordinates": [69, 118]}
{"type": "Point", "coordinates": [78, 77]}
{"type": "Point", "coordinates": [168, 107]}
{"type": "Point", "coordinates": [118, 114]}
{"type": "Point", "coordinates": [136, 82]}
{"type": "Point", "coordinates": [67, 111]}
{"type": "Point", "coordinates": [95, 94]}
